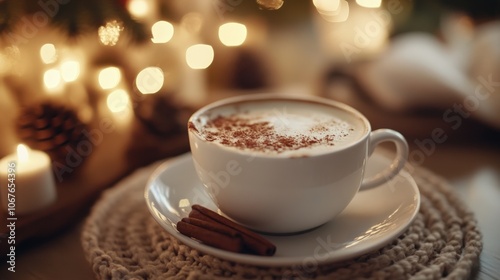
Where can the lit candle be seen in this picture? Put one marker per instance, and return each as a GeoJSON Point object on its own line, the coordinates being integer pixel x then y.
{"type": "Point", "coordinates": [27, 181]}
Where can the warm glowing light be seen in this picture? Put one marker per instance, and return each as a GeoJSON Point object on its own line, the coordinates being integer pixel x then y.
{"type": "Point", "coordinates": [48, 53]}
{"type": "Point", "coordinates": [70, 70]}
{"type": "Point", "coordinates": [22, 153]}
{"type": "Point", "coordinates": [192, 22]}
{"type": "Point", "coordinates": [118, 101]}
{"type": "Point", "coordinates": [199, 56]}
{"type": "Point", "coordinates": [109, 77]}
{"type": "Point", "coordinates": [340, 15]}
{"type": "Point", "coordinates": [270, 4]}
{"type": "Point", "coordinates": [138, 8]}
{"type": "Point", "coordinates": [369, 3]}
{"type": "Point", "coordinates": [162, 32]}
{"type": "Point", "coordinates": [232, 34]}
{"type": "Point", "coordinates": [109, 34]}
{"type": "Point", "coordinates": [326, 6]}
{"type": "Point", "coordinates": [150, 80]}
{"type": "Point", "coordinates": [52, 78]}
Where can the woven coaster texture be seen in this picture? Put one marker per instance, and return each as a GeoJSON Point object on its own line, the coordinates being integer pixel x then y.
{"type": "Point", "coordinates": [121, 240]}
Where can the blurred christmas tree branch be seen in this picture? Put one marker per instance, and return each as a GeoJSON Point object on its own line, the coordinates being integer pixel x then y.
{"type": "Point", "coordinates": [73, 17]}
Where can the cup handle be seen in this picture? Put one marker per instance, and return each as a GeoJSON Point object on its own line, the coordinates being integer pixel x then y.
{"type": "Point", "coordinates": [383, 135]}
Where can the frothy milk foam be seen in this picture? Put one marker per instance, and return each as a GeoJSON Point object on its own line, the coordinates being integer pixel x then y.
{"type": "Point", "coordinates": [280, 127]}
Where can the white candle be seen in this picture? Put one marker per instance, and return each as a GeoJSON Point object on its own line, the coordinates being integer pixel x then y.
{"type": "Point", "coordinates": [27, 182]}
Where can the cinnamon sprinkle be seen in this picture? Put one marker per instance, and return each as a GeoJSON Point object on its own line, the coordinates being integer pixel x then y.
{"type": "Point", "coordinates": [253, 134]}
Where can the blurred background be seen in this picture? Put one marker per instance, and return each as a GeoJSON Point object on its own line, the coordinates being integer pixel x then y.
{"type": "Point", "coordinates": [123, 76]}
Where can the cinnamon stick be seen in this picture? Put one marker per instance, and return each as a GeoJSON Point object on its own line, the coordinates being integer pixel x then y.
{"type": "Point", "coordinates": [212, 238]}
{"type": "Point", "coordinates": [251, 240]}
{"type": "Point", "coordinates": [216, 227]}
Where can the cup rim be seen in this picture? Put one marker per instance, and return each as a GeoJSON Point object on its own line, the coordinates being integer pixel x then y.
{"type": "Point", "coordinates": [283, 96]}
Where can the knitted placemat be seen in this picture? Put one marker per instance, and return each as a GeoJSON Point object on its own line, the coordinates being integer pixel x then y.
{"type": "Point", "coordinates": [121, 240]}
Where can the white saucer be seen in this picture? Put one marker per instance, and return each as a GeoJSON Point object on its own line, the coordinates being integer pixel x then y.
{"type": "Point", "coordinates": [373, 219]}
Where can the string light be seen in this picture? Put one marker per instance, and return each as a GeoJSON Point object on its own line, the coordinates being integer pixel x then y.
{"type": "Point", "coordinates": [109, 34]}
{"type": "Point", "coordinates": [162, 32]}
{"type": "Point", "coordinates": [138, 8]}
{"type": "Point", "coordinates": [232, 34]}
{"type": "Point", "coordinates": [52, 78]}
{"type": "Point", "coordinates": [340, 15]}
{"type": "Point", "coordinates": [118, 101]}
{"type": "Point", "coordinates": [369, 3]}
{"type": "Point", "coordinates": [270, 4]}
{"type": "Point", "coordinates": [199, 56]}
{"type": "Point", "coordinates": [109, 77]}
{"type": "Point", "coordinates": [48, 53]}
{"type": "Point", "coordinates": [70, 70]}
{"type": "Point", "coordinates": [150, 80]}
{"type": "Point", "coordinates": [326, 6]}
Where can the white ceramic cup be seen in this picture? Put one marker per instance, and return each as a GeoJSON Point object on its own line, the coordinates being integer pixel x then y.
{"type": "Point", "coordinates": [287, 194]}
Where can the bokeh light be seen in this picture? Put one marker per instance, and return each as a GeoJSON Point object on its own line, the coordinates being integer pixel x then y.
{"type": "Point", "coordinates": [138, 8]}
{"type": "Point", "coordinates": [326, 6]}
{"type": "Point", "coordinates": [369, 3]}
{"type": "Point", "coordinates": [199, 56]}
{"type": "Point", "coordinates": [70, 70]}
{"type": "Point", "coordinates": [48, 53]}
{"type": "Point", "coordinates": [109, 34]}
{"type": "Point", "coordinates": [162, 32]}
{"type": "Point", "coordinates": [52, 78]}
{"type": "Point", "coordinates": [118, 101]}
{"type": "Point", "coordinates": [270, 4]}
{"type": "Point", "coordinates": [150, 80]}
{"type": "Point", "coordinates": [109, 77]}
{"type": "Point", "coordinates": [232, 34]}
{"type": "Point", "coordinates": [340, 15]}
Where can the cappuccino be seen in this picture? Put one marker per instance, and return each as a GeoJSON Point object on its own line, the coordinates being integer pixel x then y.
{"type": "Point", "coordinates": [282, 163]}
{"type": "Point", "coordinates": [280, 127]}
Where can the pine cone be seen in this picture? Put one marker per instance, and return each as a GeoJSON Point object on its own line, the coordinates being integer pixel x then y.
{"type": "Point", "coordinates": [51, 128]}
